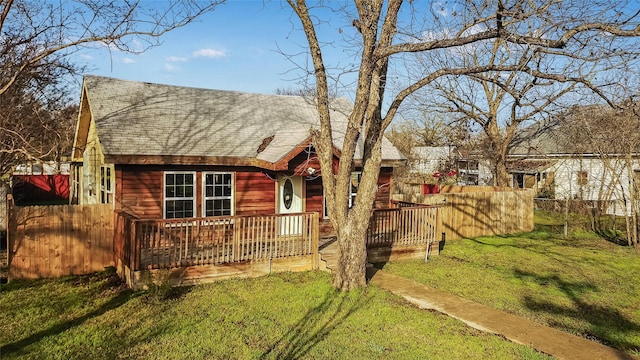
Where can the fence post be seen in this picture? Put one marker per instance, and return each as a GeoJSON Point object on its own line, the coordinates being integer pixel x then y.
{"type": "Point", "coordinates": [236, 241]}
{"type": "Point", "coordinates": [10, 231]}
{"type": "Point", "coordinates": [134, 259]}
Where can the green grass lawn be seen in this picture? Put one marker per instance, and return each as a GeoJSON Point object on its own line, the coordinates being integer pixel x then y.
{"type": "Point", "coordinates": [286, 316]}
{"type": "Point", "coordinates": [584, 284]}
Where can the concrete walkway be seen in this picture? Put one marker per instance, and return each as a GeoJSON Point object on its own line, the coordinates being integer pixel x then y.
{"type": "Point", "coordinates": [542, 338]}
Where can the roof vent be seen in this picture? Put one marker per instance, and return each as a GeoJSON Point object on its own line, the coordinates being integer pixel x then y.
{"type": "Point", "coordinates": [265, 143]}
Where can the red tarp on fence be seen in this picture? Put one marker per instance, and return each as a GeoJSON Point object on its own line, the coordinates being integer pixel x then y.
{"type": "Point", "coordinates": [40, 188]}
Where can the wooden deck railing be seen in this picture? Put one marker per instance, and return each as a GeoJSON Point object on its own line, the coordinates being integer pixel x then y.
{"type": "Point", "coordinates": [125, 247]}
{"type": "Point", "coordinates": [155, 244]}
{"type": "Point", "coordinates": [410, 224]}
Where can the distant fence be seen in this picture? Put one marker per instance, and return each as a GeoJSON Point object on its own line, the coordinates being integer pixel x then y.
{"type": "Point", "coordinates": [51, 241]}
{"type": "Point", "coordinates": [578, 206]}
{"type": "Point", "coordinates": [426, 189]}
{"type": "Point", "coordinates": [471, 214]}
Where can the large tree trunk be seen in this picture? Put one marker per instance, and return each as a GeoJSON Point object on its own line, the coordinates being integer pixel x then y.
{"type": "Point", "coordinates": [503, 178]}
{"type": "Point", "coordinates": [350, 273]}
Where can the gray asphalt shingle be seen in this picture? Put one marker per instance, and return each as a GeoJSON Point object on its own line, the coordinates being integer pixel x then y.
{"type": "Point", "coordinates": [137, 118]}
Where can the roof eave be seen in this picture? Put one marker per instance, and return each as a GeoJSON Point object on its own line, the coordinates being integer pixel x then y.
{"type": "Point", "coordinates": [191, 160]}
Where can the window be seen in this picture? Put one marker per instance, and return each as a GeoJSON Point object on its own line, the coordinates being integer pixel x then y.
{"type": "Point", "coordinates": [93, 162]}
{"type": "Point", "coordinates": [75, 184]}
{"type": "Point", "coordinates": [218, 194]}
{"type": "Point", "coordinates": [287, 193]}
{"type": "Point", "coordinates": [582, 178]}
{"type": "Point", "coordinates": [37, 169]}
{"type": "Point", "coordinates": [355, 181]}
{"type": "Point", "coordinates": [179, 197]}
{"type": "Point", "coordinates": [106, 184]}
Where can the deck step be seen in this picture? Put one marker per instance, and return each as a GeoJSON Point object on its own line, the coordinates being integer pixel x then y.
{"type": "Point", "coordinates": [329, 256]}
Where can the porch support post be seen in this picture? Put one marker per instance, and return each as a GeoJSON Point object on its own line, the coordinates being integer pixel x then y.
{"type": "Point", "coordinates": [315, 247]}
{"type": "Point", "coordinates": [135, 246]}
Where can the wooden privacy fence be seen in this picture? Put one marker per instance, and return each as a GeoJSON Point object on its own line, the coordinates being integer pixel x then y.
{"type": "Point", "coordinates": [157, 244]}
{"type": "Point", "coordinates": [407, 225]}
{"type": "Point", "coordinates": [51, 241]}
{"type": "Point", "coordinates": [485, 213]}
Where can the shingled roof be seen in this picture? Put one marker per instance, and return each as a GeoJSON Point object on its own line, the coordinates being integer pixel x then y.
{"type": "Point", "coordinates": [145, 119]}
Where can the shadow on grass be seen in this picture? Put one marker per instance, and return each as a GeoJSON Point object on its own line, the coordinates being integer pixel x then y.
{"type": "Point", "coordinates": [108, 276]}
{"type": "Point", "coordinates": [605, 324]}
{"type": "Point", "coordinates": [314, 327]}
{"type": "Point", "coordinates": [530, 246]}
{"type": "Point", "coordinates": [21, 284]}
{"type": "Point", "coordinates": [613, 236]}
{"type": "Point", "coordinates": [120, 298]}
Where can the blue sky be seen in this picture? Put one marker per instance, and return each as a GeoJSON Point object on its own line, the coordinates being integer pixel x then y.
{"type": "Point", "coordinates": [235, 47]}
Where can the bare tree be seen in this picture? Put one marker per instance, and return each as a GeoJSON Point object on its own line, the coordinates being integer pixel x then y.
{"type": "Point", "coordinates": [389, 30]}
{"type": "Point", "coordinates": [37, 41]}
{"type": "Point", "coordinates": [425, 129]}
{"type": "Point", "coordinates": [527, 85]}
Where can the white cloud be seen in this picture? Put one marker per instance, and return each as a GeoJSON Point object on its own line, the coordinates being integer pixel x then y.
{"type": "Point", "coordinates": [172, 68]}
{"type": "Point", "coordinates": [176, 59]}
{"type": "Point", "coordinates": [136, 45]}
{"type": "Point", "coordinates": [86, 57]}
{"type": "Point", "coordinates": [128, 61]}
{"type": "Point", "coordinates": [209, 53]}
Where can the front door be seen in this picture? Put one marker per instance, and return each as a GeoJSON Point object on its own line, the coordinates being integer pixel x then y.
{"type": "Point", "coordinates": [290, 202]}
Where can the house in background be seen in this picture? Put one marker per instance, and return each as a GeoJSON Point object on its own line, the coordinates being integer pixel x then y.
{"type": "Point", "coordinates": [431, 159]}
{"type": "Point", "coordinates": [559, 167]}
{"type": "Point", "coordinates": [164, 152]}
{"type": "Point", "coordinates": [438, 161]}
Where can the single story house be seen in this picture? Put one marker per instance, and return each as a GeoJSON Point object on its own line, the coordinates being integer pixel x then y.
{"type": "Point", "coordinates": [559, 166]}
{"type": "Point", "coordinates": [164, 152]}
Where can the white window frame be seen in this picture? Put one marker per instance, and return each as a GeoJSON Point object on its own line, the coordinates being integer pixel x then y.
{"type": "Point", "coordinates": [164, 192]}
{"type": "Point", "coordinates": [352, 194]}
{"type": "Point", "coordinates": [204, 192]}
{"type": "Point", "coordinates": [107, 174]}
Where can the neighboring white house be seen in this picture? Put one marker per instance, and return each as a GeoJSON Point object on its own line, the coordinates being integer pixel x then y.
{"type": "Point", "coordinates": [469, 170]}
{"type": "Point", "coordinates": [431, 159]}
{"type": "Point", "coordinates": [551, 163]}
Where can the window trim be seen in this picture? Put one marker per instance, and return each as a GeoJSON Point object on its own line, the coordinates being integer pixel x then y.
{"type": "Point", "coordinates": [352, 194]}
{"type": "Point", "coordinates": [107, 183]}
{"type": "Point", "coordinates": [205, 197]}
{"type": "Point", "coordinates": [164, 193]}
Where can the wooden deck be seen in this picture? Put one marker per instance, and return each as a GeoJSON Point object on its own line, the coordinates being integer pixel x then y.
{"type": "Point", "coordinates": [199, 248]}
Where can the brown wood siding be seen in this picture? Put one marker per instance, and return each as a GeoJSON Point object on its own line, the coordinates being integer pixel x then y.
{"type": "Point", "coordinates": [255, 194]}
{"type": "Point", "coordinates": [301, 163]}
{"type": "Point", "coordinates": [383, 196]}
{"type": "Point", "coordinates": [314, 197]}
{"type": "Point", "coordinates": [139, 192]}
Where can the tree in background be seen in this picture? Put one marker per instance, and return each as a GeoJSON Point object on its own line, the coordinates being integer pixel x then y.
{"type": "Point", "coordinates": [37, 41]}
{"type": "Point", "coordinates": [388, 35]}
{"type": "Point", "coordinates": [526, 85]}
{"type": "Point", "coordinates": [424, 130]}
